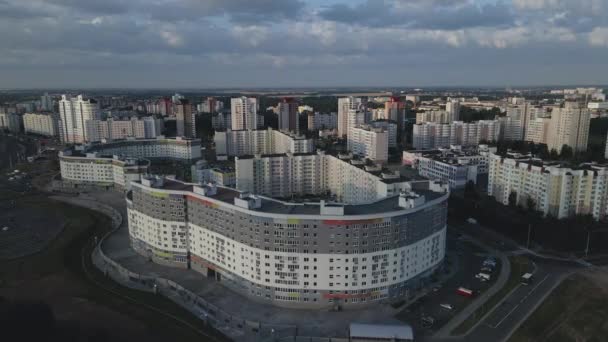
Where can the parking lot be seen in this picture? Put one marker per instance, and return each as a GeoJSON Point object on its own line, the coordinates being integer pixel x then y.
{"type": "Point", "coordinates": [427, 314]}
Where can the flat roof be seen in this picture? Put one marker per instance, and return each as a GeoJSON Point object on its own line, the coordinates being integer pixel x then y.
{"type": "Point", "coordinates": [389, 332]}
{"type": "Point", "coordinates": [270, 205]}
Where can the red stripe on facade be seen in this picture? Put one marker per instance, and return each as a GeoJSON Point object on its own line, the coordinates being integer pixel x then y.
{"type": "Point", "coordinates": [200, 200]}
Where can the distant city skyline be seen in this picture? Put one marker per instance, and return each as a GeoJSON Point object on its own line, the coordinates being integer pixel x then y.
{"type": "Point", "coordinates": [301, 43]}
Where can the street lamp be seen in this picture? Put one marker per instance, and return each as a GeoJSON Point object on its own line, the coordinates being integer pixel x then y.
{"type": "Point", "coordinates": [588, 240]}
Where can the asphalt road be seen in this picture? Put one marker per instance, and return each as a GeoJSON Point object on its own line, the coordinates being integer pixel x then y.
{"type": "Point", "coordinates": [524, 299]}
{"type": "Point", "coordinates": [468, 259]}
{"type": "Point", "coordinates": [504, 319]}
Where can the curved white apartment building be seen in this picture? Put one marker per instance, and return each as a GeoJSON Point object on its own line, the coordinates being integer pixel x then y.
{"type": "Point", "coordinates": [166, 148]}
{"type": "Point", "coordinates": [92, 169]}
{"type": "Point", "coordinates": [304, 255]}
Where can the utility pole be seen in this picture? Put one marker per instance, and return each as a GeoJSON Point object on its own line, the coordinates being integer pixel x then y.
{"type": "Point", "coordinates": [529, 232]}
{"type": "Point", "coordinates": [588, 239]}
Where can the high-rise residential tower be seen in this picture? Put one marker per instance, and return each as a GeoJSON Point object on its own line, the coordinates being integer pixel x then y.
{"type": "Point", "coordinates": [569, 126]}
{"type": "Point", "coordinates": [288, 115]}
{"type": "Point", "coordinates": [74, 113]}
{"type": "Point", "coordinates": [46, 102]}
{"type": "Point", "coordinates": [346, 107]}
{"type": "Point", "coordinates": [244, 113]}
{"type": "Point", "coordinates": [394, 110]}
{"type": "Point", "coordinates": [186, 126]}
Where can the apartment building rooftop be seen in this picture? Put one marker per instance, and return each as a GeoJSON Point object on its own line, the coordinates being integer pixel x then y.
{"type": "Point", "coordinates": [73, 153]}
{"type": "Point", "coordinates": [293, 135]}
{"type": "Point", "coordinates": [534, 161]}
{"type": "Point", "coordinates": [422, 192]}
{"type": "Point", "coordinates": [455, 154]}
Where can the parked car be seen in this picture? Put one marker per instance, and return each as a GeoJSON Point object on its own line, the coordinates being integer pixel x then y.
{"type": "Point", "coordinates": [447, 306]}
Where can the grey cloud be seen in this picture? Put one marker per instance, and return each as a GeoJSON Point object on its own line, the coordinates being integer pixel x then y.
{"type": "Point", "coordinates": [224, 43]}
{"type": "Point", "coordinates": [180, 10]}
{"type": "Point", "coordinates": [16, 10]}
{"type": "Point", "coordinates": [432, 14]}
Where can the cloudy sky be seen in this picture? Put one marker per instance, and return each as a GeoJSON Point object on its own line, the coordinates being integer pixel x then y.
{"type": "Point", "coordinates": [285, 43]}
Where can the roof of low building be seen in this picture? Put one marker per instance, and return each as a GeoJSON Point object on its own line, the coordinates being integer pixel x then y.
{"type": "Point", "coordinates": [401, 332]}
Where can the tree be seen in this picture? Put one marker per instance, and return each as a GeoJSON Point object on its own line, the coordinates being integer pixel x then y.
{"type": "Point", "coordinates": [530, 204]}
{"type": "Point", "coordinates": [470, 191]}
{"type": "Point", "coordinates": [468, 114]}
{"type": "Point", "coordinates": [512, 199]}
{"type": "Point", "coordinates": [554, 155]}
{"type": "Point", "coordinates": [566, 153]}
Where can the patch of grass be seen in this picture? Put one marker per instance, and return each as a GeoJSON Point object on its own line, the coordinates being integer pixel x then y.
{"type": "Point", "coordinates": [51, 259]}
{"type": "Point", "coordinates": [575, 311]}
{"type": "Point", "coordinates": [161, 325]}
{"type": "Point", "coordinates": [63, 258]}
{"type": "Point", "coordinates": [519, 266]}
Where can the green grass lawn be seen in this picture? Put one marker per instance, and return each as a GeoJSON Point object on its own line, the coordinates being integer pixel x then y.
{"type": "Point", "coordinates": [575, 311]}
{"type": "Point", "coordinates": [519, 266]}
{"type": "Point", "coordinates": [62, 262]}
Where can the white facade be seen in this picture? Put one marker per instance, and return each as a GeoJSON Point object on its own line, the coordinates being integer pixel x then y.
{"type": "Point", "coordinates": [350, 180]}
{"type": "Point", "coordinates": [116, 129]}
{"type": "Point", "coordinates": [369, 142]}
{"type": "Point", "coordinates": [389, 126]}
{"type": "Point", "coordinates": [555, 190]}
{"type": "Point", "coordinates": [513, 124]}
{"type": "Point", "coordinates": [322, 121]}
{"type": "Point", "coordinates": [435, 116]}
{"type": "Point", "coordinates": [455, 166]}
{"type": "Point", "coordinates": [164, 148]}
{"type": "Point", "coordinates": [268, 141]}
{"type": "Point", "coordinates": [221, 121]}
{"type": "Point", "coordinates": [74, 113]}
{"type": "Point", "coordinates": [538, 130]}
{"type": "Point", "coordinates": [598, 105]}
{"type": "Point", "coordinates": [292, 257]}
{"type": "Point", "coordinates": [244, 111]}
{"type": "Point", "coordinates": [569, 126]}
{"type": "Point", "coordinates": [348, 106]}
{"type": "Point", "coordinates": [11, 122]}
{"type": "Point", "coordinates": [434, 135]}
{"type": "Point", "coordinates": [202, 173]}
{"type": "Point", "coordinates": [355, 118]}
{"type": "Point", "coordinates": [452, 107]}
{"type": "Point", "coordinates": [93, 169]}
{"type": "Point", "coordinates": [42, 124]}
{"type": "Point", "coordinates": [46, 102]}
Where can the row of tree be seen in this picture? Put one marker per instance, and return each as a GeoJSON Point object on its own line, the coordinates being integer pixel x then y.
{"type": "Point", "coordinates": [519, 218]}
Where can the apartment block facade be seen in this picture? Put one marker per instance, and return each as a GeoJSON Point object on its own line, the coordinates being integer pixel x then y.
{"type": "Point", "coordinates": [268, 141]}
{"type": "Point", "coordinates": [116, 129]}
{"type": "Point", "coordinates": [434, 135]}
{"type": "Point", "coordinates": [46, 124]}
{"type": "Point", "coordinates": [307, 256]}
{"type": "Point", "coordinates": [554, 189]}
{"type": "Point", "coordinates": [74, 113]}
{"type": "Point", "coordinates": [369, 142]}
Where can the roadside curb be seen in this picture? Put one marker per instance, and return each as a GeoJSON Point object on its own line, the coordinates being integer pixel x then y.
{"type": "Point", "coordinates": [456, 321]}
